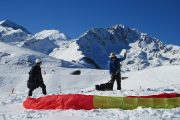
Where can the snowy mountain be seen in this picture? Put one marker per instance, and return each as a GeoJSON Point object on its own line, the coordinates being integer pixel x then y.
{"type": "Point", "coordinates": [45, 41]}
{"type": "Point", "coordinates": [94, 47]}
{"type": "Point", "coordinates": [11, 32]}
{"type": "Point", "coordinates": [10, 24]}
{"type": "Point", "coordinates": [12, 55]}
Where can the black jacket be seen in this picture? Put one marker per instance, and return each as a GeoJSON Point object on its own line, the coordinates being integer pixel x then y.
{"type": "Point", "coordinates": [35, 77]}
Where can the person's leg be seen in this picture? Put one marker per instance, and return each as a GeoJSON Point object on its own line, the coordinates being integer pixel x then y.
{"type": "Point", "coordinates": [112, 81]}
{"type": "Point", "coordinates": [118, 80]}
{"type": "Point", "coordinates": [43, 86]}
{"type": "Point", "coordinates": [44, 90]}
{"type": "Point", "coordinates": [30, 92]}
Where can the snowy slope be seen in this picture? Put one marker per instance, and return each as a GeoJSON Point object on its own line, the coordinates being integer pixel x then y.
{"type": "Point", "coordinates": [45, 41]}
{"type": "Point", "coordinates": [11, 32]}
{"type": "Point", "coordinates": [12, 55]}
{"type": "Point", "coordinates": [59, 81]}
{"type": "Point", "coordinates": [96, 45]}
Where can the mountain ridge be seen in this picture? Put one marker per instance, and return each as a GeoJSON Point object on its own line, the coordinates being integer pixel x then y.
{"type": "Point", "coordinates": [93, 47]}
{"type": "Point", "coordinates": [8, 23]}
{"type": "Point", "coordinates": [97, 43]}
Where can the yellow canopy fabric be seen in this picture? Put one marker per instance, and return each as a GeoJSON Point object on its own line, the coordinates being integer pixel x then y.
{"type": "Point", "coordinates": [125, 103]}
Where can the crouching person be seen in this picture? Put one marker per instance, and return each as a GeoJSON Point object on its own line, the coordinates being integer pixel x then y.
{"type": "Point", "coordinates": [35, 78]}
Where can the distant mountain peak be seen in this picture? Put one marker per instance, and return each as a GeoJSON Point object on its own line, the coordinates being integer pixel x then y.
{"type": "Point", "coordinates": [119, 26]}
{"type": "Point", "coordinates": [8, 23]}
{"type": "Point", "coordinates": [51, 34]}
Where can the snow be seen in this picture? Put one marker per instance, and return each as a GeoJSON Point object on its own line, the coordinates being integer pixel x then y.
{"type": "Point", "coordinates": [144, 51]}
{"type": "Point", "coordinates": [45, 41]}
{"type": "Point", "coordinates": [67, 53]}
{"type": "Point", "coordinates": [10, 24]}
{"type": "Point", "coordinates": [59, 81]}
{"type": "Point", "coordinates": [12, 33]}
{"type": "Point", "coordinates": [51, 34]}
{"type": "Point", "coordinates": [11, 104]}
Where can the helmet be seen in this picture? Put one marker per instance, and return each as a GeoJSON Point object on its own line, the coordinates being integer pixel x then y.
{"type": "Point", "coordinates": [38, 61]}
{"type": "Point", "coordinates": [112, 55]}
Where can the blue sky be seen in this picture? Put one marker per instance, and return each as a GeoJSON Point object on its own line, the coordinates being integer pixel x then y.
{"type": "Point", "coordinates": [159, 18]}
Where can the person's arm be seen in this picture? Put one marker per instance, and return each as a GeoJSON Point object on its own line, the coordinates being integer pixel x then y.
{"type": "Point", "coordinates": [41, 75]}
{"type": "Point", "coordinates": [41, 78]}
{"type": "Point", "coordinates": [123, 58]}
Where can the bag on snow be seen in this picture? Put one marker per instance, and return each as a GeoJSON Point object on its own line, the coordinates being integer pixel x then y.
{"type": "Point", "coordinates": [104, 86]}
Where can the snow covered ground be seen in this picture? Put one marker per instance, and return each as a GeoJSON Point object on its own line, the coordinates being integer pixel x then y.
{"type": "Point", "coordinates": [58, 80]}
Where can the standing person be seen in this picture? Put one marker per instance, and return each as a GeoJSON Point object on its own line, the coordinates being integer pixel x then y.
{"type": "Point", "coordinates": [114, 69]}
{"type": "Point", "coordinates": [35, 78]}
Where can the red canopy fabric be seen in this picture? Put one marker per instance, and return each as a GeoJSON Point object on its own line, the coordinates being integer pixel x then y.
{"type": "Point", "coordinates": [68, 101]}
{"type": "Point", "coordinates": [162, 95]}
{"type": "Point", "coordinates": [79, 101]}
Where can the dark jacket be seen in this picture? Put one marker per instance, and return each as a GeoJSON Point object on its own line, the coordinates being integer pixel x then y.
{"type": "Point", "coordinates": [114, 65]}
{"type": "Point", "coordinates": [35, 77]}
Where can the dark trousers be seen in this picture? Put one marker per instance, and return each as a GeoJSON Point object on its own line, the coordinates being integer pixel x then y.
{"type": "Point", "coordinates": [43, 86]}
{"type": "Point", "coordinates": [116, 77]}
